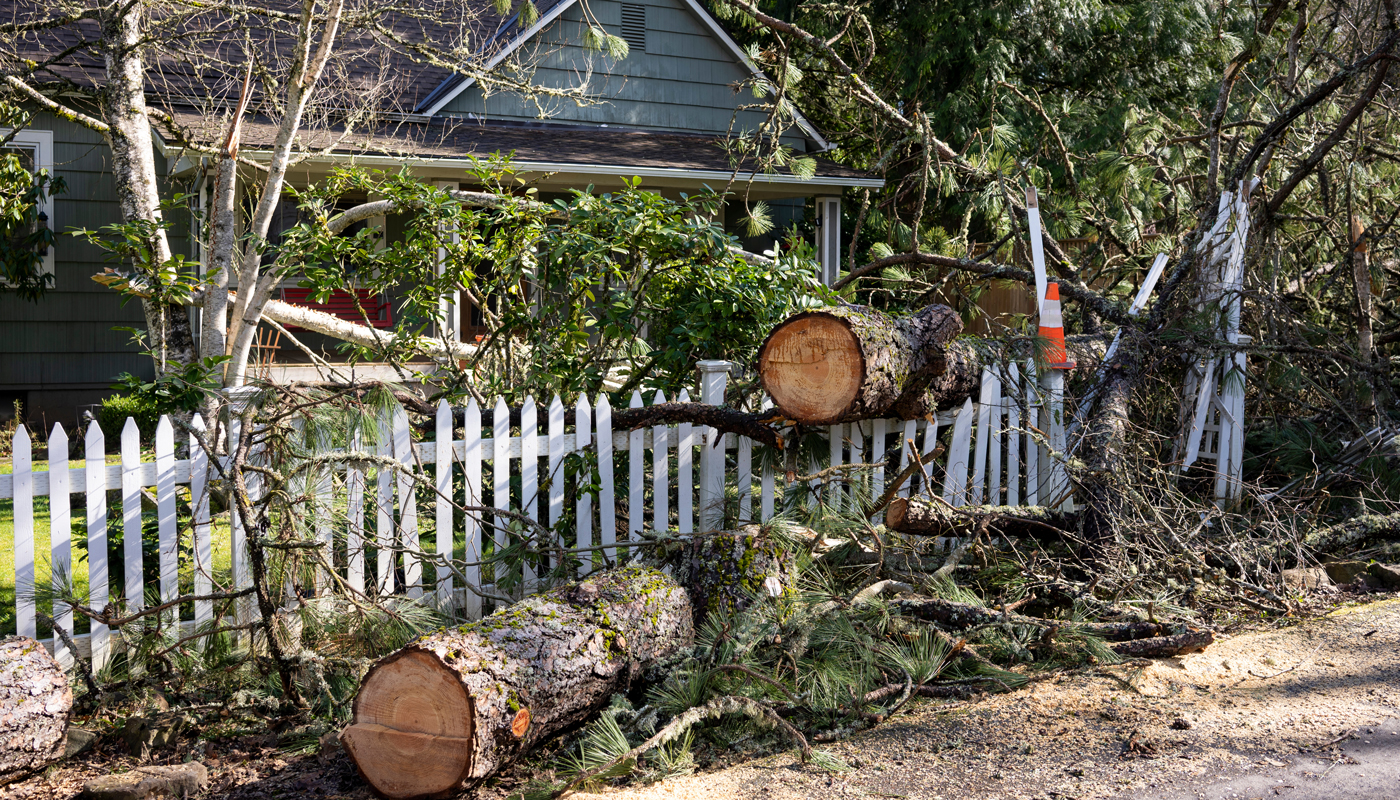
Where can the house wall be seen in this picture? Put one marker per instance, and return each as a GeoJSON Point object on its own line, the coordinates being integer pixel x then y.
{"type": "Point", "coordinates": [683, 80]}
{"type": "Point", "coordinates": [61, 352]}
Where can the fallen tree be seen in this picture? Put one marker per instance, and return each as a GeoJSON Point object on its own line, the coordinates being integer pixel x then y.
{"type": "Point", "coordinates": [34, 704]}
{"type": "Point", "coordinates": [454, 707]}
{"type": "Point", "coordinates": [854, 362]}
{"type": "Point", "coordinates": [920, 517]}
{"type": "Point", "coordinates": [844, 363]}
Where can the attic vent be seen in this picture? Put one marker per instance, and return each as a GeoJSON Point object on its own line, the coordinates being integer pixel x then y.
{"type": "Point", "coordinates": [634, 26]}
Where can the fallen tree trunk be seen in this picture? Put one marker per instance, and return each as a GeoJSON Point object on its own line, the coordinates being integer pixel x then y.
{"type": "Point", "coordinates": [938, 519]}
{"type": "Point", "coordinates": [34, 704]}
{"type": "Point", "coordinates": [454, 707]}
{"type": "Point", "coordinates": [1354, 533]}
{"type": "Point", "coordinates": [845, 363]}
{"type": "Point", "coordinates": [854, 362]}
{"type": "Point", "coordinates": [954, 615]}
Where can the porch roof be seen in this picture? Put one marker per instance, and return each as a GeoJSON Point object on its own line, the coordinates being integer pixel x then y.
{"type": "Point", "coordinates": [605, 152]}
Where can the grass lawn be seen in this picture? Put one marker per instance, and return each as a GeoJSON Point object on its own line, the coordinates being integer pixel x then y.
{"type": "Point", "coordinates": [219, 535]}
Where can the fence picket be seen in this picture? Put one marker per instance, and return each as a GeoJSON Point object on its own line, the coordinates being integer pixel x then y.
{"type": "Point", "coordinates": [442, 551]}
{"type": "Point", "coordinates": [635, 476]}
{"type": "Point", "coordinates": [323, 509]}
{"type": "Point", "coordinates": [607, 497]}
{"type": "Point", "coordinates": [60, 542]}
{"type": "Point", "coordinates": [877, 456]}
{"type": "Point", "coordinates": [685, 472]}
{"type": "Point", "coordinates": [238, 533]}
{"type": "Point", "coordinates": [384, 514]}
{"type": "Point", "coordinates": [765, 493]}
{"type": "Point", "coordinates": [203, 541]}
{"type": "Point", "coordinates": [660, 473]}
{"type": "Point", "coordinates": [583, 505]}
{"type": "Point", "coordinates": [984, 423]}
{"type": "Point", "coordinates": [744, 479]}
{"type": "Point", "coordinates": [955, 474]}
{"type": "Point", "coordinates": [555, 476]}
{"type": "Point", "coordinates": [95, 461]}
{"type": "Point", "coordinates": [471, 520]}
{"type": "Point", "coordinates": [835, 440]}
{"type": "Point", "coordinates": [993, 402]}
{"type": "Point", "coordinates": [1010, 405]}
{"type": "Point", "coordinates": [500, 479]}
{"type": "Point", "coordinates": [165, 512]}
{"type": "Point", "coordinates": [408, 507]}
{"type": "Point", "coordinates": [530, 481]}
{"type": "Point", "coordinates": [1031, 421]}
{"type": "Point", "coordinates": [930, 445]}
{"type": "Point", "coordinates": [26, 620]}
{"type": "Point", "coordinates": [911, 430]}
{"type": "Point", "coordinates": [355, 518]}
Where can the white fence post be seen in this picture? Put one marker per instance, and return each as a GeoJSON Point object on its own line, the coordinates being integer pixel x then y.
{"type": "Point", "coordinates": [660, 473]}
{"type": "Point", "coordinates": [685, 473]}
{"type": "Point", "coordinates": [60, 543]}
{"type": "Point", "coordinates": [635, 475]}
{"type": "Point", "coordinates": [472, 489]}
{"type": "Point", "coordinates": [714, 375]}
{"type": "Point", "coordinates": [95, 461]}
{"type": "Point", "coordinates": [442, 550]}
{"type": "Point", "coordinates": [409, 540]}
{"type": "Point", "coordinates": [203, 545]}
{"type": "Point", "coordinates": [530, 482]}
{"type": "Point", "coordinates": [607, 498]}
{"type": "Point", "coordinates": [583, 504]}
{"type": "Point", "coordinates": [26, 621]}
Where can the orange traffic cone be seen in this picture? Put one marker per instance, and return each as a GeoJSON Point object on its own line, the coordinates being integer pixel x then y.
{"type": "Point", "coordinates": [1052, 329]}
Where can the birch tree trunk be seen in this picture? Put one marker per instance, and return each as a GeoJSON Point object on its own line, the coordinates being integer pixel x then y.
{"type": "Point", "coordinates": [128, 132]}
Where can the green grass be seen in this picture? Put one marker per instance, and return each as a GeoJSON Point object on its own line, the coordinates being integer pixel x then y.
{"type": "Point", "coordinates": [43, 572]}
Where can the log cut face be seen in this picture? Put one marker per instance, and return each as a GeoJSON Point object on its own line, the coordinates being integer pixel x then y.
{"type": "Point", "coordinates": [853, 362]}
{"type": "Point", "coordinates": [452, 708]}
{"type": "Point", "coordinates": [34, 704]}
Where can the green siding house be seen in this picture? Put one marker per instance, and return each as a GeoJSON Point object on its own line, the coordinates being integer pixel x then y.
{"type": "Point", "coordinates": [660, 114]}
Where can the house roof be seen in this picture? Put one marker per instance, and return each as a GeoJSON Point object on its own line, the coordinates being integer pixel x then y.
{"type": "Point", "coordinates": [537, 147]}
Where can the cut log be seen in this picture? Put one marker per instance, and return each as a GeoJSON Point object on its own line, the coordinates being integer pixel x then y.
{"type": "Point", "coordinates": [846, 363]}
{"type": "Point", "coordinates": [854, 362]}
{"type": "Point", "coordinates": [1354, 533]}
{"type": "Point", "coordinates": [922, 518]}
{"type": "Point", "coordinates": [34, 704]}
{"type": "Point", "coordinates": [452, 708]}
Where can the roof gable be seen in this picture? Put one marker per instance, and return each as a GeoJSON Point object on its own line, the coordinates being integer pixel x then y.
{"type": "Point", "coordinates": [683, 79]}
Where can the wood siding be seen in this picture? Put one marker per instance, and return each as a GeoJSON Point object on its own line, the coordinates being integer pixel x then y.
{"type": "Point", "coordinates": [66, 339]}
{"type": "Point", "coordinates": [684, 80]}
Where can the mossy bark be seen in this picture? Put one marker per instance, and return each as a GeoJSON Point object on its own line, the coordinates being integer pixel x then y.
{"type": "Point", "coordinates": [726, 571]}
{"type": "Point", "coordinates": [1354, 533]}
{"type": "Point", "coordinates": [520, 676]}
{"type": "Point", "coordinates": [34, 704]}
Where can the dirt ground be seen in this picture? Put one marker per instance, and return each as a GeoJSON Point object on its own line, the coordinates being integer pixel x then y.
{"type": "Point", "coordinates": [1310, 711]}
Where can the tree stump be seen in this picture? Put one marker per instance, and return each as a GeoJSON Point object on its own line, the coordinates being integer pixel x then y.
{"type": "Point", "coordinates": [34, 704]}
{"type": "Point", "coordinates": [853, 362]}
{"type": "Point", "coordinates": [452, 708]}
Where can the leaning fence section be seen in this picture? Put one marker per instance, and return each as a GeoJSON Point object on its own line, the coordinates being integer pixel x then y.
{"type": "Point", "coordinates": [431, 512]}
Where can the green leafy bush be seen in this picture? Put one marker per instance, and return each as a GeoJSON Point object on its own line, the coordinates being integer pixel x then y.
{"type": "Point", "coordinates": [117, 408]}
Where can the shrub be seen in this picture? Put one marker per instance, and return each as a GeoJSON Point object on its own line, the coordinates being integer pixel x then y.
{"type": "Point", "coordinates": [117, 408]}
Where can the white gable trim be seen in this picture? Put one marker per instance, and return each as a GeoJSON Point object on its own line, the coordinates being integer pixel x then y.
{"type": "Point", "coordinates": [822, 144]}
{"type": "Point", "coordinates": [539, 25]}
{"type": "Point", "coordinates": [710, 22]}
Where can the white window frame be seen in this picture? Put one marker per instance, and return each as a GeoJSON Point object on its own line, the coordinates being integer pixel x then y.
{"type": "Point", "coordinates": [42, 144]}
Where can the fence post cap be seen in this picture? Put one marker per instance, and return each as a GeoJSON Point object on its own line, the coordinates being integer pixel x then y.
{"type": "Point", "coordinates": [715, 366]}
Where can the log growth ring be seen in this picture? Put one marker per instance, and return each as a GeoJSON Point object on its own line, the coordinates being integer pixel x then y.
{"type": "Point", "coordinates": [414, 723]}
{"type": "Point", "coordinates": [812, 366]}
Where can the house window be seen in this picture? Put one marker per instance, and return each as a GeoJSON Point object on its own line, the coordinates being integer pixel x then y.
{"type": "Point", "coordinates": [634, 26]}
{"type": "Point", "coordinates": [35, 151]}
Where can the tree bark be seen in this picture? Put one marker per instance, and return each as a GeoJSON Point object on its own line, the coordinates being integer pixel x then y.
{"type": "Point", "coordinates": [854, 362]}
{"type": "Point", "coordinates": [34, 704]}
{"type": "Point", "coordinates": [451, 709]}
{"type": "Point", "coordinates": [934, 519]}
{"type": "Point", "coordinates": [725, 571]}
{"type": "Point", "coordinates": [1355, 532]}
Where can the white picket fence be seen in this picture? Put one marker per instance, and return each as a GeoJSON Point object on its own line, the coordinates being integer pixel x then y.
{"type": "Point", "coordinates": [990, 456]}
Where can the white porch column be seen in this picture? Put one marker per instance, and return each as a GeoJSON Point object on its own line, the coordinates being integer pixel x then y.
{"type": "Point", "coordinates": [450, 308]}
{"type": "Point", "coordinates": [829, 238]}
